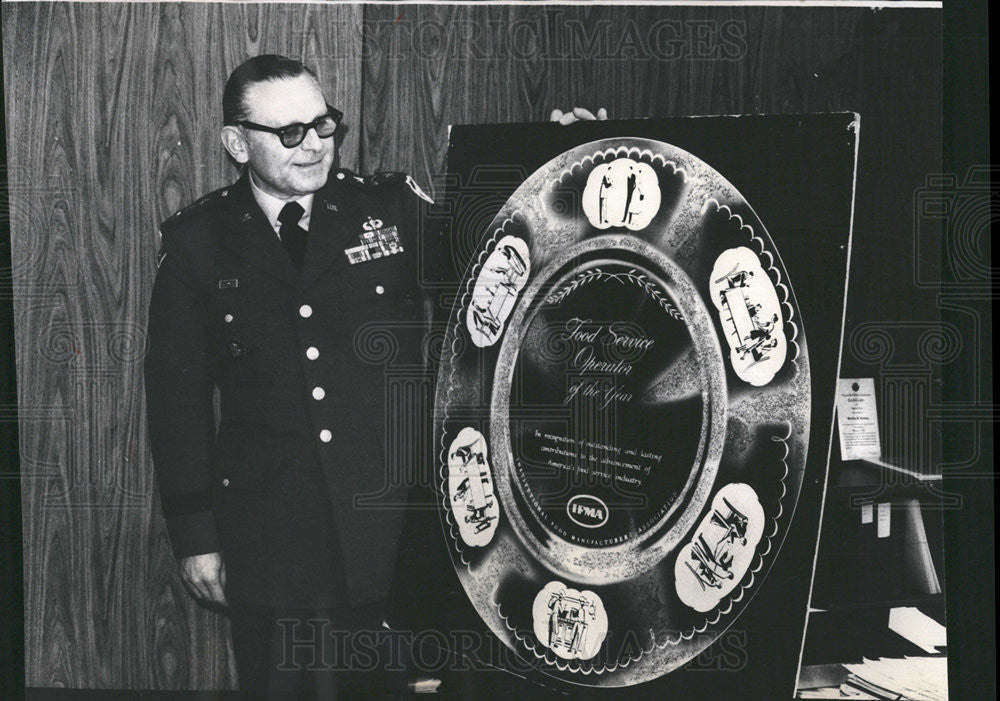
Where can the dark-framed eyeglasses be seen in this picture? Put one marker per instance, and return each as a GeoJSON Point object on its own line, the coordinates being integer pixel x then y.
{"type": "Point", "coordinates": [292, 135]}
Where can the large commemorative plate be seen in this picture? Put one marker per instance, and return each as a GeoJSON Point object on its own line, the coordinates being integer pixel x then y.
{"type": "Point", "coordinates": [622, 413]}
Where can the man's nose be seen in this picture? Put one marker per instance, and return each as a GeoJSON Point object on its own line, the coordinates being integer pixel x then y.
{"type": "Point", "coordinates": [312, 142]}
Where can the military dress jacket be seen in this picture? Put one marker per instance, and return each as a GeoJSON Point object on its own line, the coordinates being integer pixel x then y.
{"type": "Point", "coordinates": [288, 474]}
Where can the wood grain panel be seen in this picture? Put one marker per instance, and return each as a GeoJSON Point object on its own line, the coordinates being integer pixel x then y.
{"type": "Point", "coordinates": [113, 114]}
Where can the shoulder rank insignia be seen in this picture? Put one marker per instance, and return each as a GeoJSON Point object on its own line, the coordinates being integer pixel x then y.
{"type": "Point", "coordinates": [384, 178]}
{"type": "Point", "coordinates": [215, 197]}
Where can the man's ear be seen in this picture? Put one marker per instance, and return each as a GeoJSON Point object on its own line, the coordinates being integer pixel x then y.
{"type": "Point", "coordinates": [235, 143]}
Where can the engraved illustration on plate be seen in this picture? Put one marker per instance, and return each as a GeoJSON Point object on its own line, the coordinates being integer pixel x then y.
{"type": "Point", "coordinates": [571, 623]}
{"type": "Point", "coordinates": [722, 548]}
{"type": "Point", "coordinates": [493, 297]}
{"type": "Point", "coordinates": [622, 193]}
{"type": "Point", "coordinates": [470, 487]}
{"type": "Point", "coordinates": [750, 314]}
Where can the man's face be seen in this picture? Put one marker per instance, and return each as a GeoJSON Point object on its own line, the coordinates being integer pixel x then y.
{"type": "Point", "coordinates": [287, 173]}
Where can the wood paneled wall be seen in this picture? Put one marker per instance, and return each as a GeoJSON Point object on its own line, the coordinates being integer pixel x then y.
{"type": "Point", "coordinates": [113, 114]}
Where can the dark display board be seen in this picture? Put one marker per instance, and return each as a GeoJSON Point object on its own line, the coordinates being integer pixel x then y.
{"type": "Point", "coordinates": [634, 399]}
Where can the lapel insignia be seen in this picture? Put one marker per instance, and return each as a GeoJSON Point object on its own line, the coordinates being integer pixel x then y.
{"type": "Point", "coordinates": [331, 206]}
{"type": "Point", "coordinates": [228, 284]}
{"type": "Point", "coordinates": [376, 241]}
{"type": "Point", "coordinates": [245, 216]}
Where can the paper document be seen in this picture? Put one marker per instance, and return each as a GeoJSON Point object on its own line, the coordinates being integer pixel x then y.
{"type": "Point", "coordinates": [858, 419]}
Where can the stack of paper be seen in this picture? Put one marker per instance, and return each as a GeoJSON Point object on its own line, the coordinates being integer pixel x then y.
{"type": "Point", "coordinates": [835, 693]}
{"type": "Point", "coordinates": [913, 678]}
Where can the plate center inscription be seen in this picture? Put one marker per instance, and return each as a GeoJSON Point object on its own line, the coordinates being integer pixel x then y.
{"type": "Point", "coordinates": [606, 412]}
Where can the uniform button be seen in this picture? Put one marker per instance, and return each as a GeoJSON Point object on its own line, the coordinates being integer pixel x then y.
{"type": "Point", "coordinates": [228, 318]}
{"type": "Point", "coordinates": [305, 311]}
{"type": "Point", "coordinates": [340, 176]}
{"type": "Point", "coordinates": [325, 436]}
{"type": "Point", "coordinates": [225, 482]}
{"type": "Point", "coordinates": [312, 352]}
{"type": "Point", "coordinates": [318, 393]}
{"type": "Point", "coordinates": [379, 289]}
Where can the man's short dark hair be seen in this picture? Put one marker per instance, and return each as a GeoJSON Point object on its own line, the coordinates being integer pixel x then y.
{"type": "Point", "coordinates": [258, 69]}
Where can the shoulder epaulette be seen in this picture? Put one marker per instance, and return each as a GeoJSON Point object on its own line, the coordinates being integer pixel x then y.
{"type": "Point", "coordinates": [386, 178]}
{"type": "Point", "coordinates": [348, 176]}
{"type": "Point", "coordinates": [202, 204]}
{"type": "Point", "coordinates": [383, 179]}
{"type": "Point", "coordinates": [374, 180]}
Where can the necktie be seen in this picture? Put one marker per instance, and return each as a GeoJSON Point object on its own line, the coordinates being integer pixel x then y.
{"type": "Point", "coordinates": [293, 236]}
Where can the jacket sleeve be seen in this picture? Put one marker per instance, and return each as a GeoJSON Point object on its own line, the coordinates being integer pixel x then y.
{"type": "Point", "coordinates": [179, 389]}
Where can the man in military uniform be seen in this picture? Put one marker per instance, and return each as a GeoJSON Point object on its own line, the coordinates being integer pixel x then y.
{"type": "Point", "coordinates": [277, 290]}
{"type": "Point", "coordinates": [286, 291]}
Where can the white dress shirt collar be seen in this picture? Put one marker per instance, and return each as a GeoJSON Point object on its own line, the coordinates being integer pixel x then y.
{"type": "Point", "coordinates": [272, 206]}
